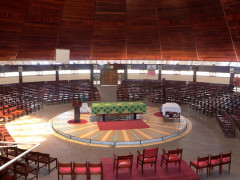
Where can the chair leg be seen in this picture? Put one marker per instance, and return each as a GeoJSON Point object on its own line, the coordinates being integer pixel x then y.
{"type": "Point", "coordinates": [49, 169]}
{"type": "Point", "coordinates": [155, 166]}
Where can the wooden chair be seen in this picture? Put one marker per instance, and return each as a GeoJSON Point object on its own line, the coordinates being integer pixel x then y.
{"type": "Point", "coordinates": [32, 157]}
{"type": "Point", "coordinates": [80, 169]}
{"type": "Point", "coordinates": [215, 161]}
{"type": "Point", "coordinates": [65, 169]}
{"type": "Point", "coordinates": [24, 170]}
{"type": "Point", "coordinates": [125, 161]}
{"type": "Point", "coordinates": [46, 160]}
{"type": "Point", "coordinates": [95, 169]}
{"type": "Point", "coordinates": [226, 159]}
{"type": "Point", "coordinates": [149, 156]}
{"type": "Point", "coordinates": [201, 163]}
{"type": "Point", "coordinates": [172, 156]}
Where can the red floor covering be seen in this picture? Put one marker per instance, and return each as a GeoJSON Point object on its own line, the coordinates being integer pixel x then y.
{"type": "Point", "coordinates": [173, 173]}
{"type": "Point", "coordinates": [158, 114]}
{"type": "Point", "coordinates": [120, 125]}
{"type": "Point", "coordinates": [82, 121]}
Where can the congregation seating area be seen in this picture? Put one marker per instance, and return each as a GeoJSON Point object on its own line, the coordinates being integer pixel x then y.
{"type": "Point", "coordinates": [17, 100]}
{"type": "Point", "coordinates": [135, 90]}
{"type": "Point", "coordinates": [213, 100]}
{"type": "Point", "coordinates": [23, 166]}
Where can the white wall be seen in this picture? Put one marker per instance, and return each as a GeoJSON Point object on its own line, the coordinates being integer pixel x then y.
{"type": "Point", "coordinates": [9, 80]}
{"type": "Point", "coordinates": [39, 78]}
{"type": "Point", "coordinates": [74, 76]}
{"type": "Point", "coordinates": [217, 80]}
{"type": "Point", "coordinates": [142, 76]}
{"type": "Point", "coordinates": [177, 77]}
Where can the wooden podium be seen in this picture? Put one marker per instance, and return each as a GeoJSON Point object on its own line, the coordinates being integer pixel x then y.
{"type": "Point", "coordinates": [77, 104]}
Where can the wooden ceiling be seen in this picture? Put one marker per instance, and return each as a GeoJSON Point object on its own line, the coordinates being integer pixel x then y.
{"type": "Point", "coordinates": [204, 30]}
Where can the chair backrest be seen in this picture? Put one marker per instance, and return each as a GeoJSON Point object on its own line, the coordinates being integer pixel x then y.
{"type": "Point", "coordinates": [130, 157]}
{"type": "Point", "coordinates": [63, 165]}
{"type": "Point", "coordinates": [80, 164]}
{"type": "Point", "coordinates": [214, 157]}
{"type": "Point", "coordinates": [150, 152]}
{"type": "Point", "coordinates": [201, 159]}
{"type": "Point", "coordinates": [95, 165]}
{"type": "Point", "coordinates": [227, 155]}
{"type": "Point", "coordinates": [178, 152]}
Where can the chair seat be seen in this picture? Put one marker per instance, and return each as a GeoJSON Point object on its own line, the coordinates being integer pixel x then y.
{"type": "Point", "coordinates": [172, 157]}
{"type": "Point", "coordinates": [80, 170]}
{"type": "Point", "coordinates": [23, 169]}
{"type": "Point", "coordinates": [46, 159]}
{"type": "Point", "coordinates": [201, 164]}
{"type": "Point", "coordinates": [94, 170]}
{"type": "Point", "coordinates": [225, 160]}
{"type": "Point", "coordinates": [215, 162]}
{"type": "Point", "coordinates": [123, 163]}
{"type": "Point", "coordinates": [65, 170]}
{"type": "Point", "coordinates": [147, 160]}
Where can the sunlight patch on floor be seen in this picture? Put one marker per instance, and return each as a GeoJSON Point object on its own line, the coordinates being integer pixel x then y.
{"type": "Point", "coordinates": [29, 129]}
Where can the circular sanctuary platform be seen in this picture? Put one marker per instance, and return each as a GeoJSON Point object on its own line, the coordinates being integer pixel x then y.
{"type": "Point", "coordinates": [153, 131]}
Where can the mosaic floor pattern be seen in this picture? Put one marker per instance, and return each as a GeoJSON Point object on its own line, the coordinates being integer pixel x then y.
{"type": "Point", "coordinates": [159, 131]}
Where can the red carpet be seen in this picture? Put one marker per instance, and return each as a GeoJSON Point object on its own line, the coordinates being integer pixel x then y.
{"type": "Point", "coordinates": [158, 114]}
{"type": "Point", "coordinates": [186, 172]}
{"type": "Point", "coordinates": [82, 121]}
{"type": "Point", "coordinates": [120, 125]}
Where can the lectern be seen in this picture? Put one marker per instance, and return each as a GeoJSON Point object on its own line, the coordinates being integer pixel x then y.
{"type": "Point", "coordinates": [77, 104]}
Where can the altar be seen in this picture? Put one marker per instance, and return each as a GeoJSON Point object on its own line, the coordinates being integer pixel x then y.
{"type": "Point", "coordinates": [171, 111]}
{"type": "Point", "coordinates": [118, 108]}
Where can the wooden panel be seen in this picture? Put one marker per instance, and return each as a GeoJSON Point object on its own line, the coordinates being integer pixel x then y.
{"type": "Point", "coordinates": [175, 27]}
{"type": "Point", "coordinates": [109, 77]}
{"type": "Point", "coordinates": [12, 16]}
{"type": "Point", "coordinates": [120, 29]}
{"type": "Point", "coordinates": [232, 11]}
{"type": "Point", "coordinates": [40, 31]}
{"type": "Point", "coordinates": [211, 34]}
{"type": "Point", "coordinates": [142, 30]}
{"type": "Point", "coordinates": [77, 27]}
{"type": "Point", "coordinates": [109, 37]}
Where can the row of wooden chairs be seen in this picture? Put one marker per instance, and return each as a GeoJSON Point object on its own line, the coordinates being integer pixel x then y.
{"type": "Point", "coordinates": [4, 134]}
{"type": "Point", "coordinates": [211, 161]}
{"type": "Point", "coordinates": [74, 169]}
{"type": "Point", "coordinates": [18, 169]}
{"type": "Point", "coordinates": [236, 118]}
{"type": "Point", "coordinates": [227, 124]}
{"type": "Point", "coordinates": [23, 167]}
{"type": "Point", "coordinates": [148, 156]}
{"type": "Point", "coordinates": [49, 93]}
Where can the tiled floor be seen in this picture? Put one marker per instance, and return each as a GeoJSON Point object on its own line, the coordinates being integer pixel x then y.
{"type": "Point", "coordinates": [205, 138]}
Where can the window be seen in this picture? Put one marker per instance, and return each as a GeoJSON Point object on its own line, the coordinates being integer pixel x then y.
{"type": "Point", "coordinates": [188, 73]}
{"type": "Point", "coordinates": [48, 72]}
{"type": "Point", "coordinates": [167, 71]}
{"type": "Point", "coordinates": [201, 73]}
{"type": "Point", "coordinates": [30, 73]}
{"type": "Point", "coordinates": [226, 75]}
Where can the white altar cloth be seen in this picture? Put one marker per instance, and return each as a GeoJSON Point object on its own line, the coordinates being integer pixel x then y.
{"type": "Point", "coordinates": [172, 107]}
